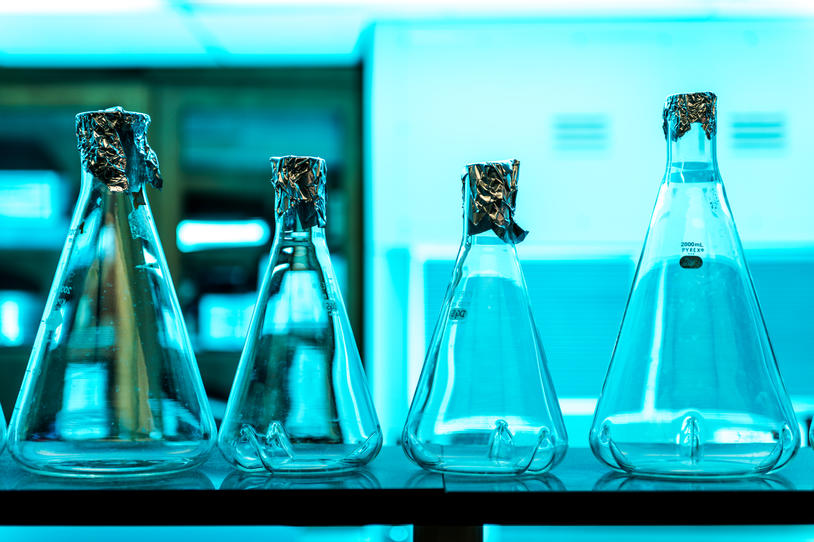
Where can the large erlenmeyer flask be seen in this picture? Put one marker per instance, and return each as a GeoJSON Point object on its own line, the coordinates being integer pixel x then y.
{"type": "Point", "coordinates": [299, 401]}
{"type": "Point", "coordinates": [112, 386]}
{"type": "Point", "coordinates": [693, 388]}
{"type": "Point", "coordinates": [485, 403]}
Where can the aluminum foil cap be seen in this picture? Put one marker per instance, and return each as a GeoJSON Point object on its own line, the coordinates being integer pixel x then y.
{"type": "Point", "coordinates": [113, 146]}
{"type": "Point", "coordinates": [299, 184]}
{"type": "Point", "coordinates": [490, 188]}
{"type": "Point", "coordinates": [682, 110]}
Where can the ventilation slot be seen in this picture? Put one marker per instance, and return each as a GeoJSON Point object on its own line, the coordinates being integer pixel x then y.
{"type": "Point", "coordinates": [581, 133]}
{"type": "Point", "coordinates": [759, 131]}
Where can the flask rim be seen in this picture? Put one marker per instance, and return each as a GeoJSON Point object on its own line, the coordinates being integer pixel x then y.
{"type": "Point", "coordinates": [682, 110]}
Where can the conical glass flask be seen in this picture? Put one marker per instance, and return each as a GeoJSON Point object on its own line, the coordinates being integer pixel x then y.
{"type": "Point", "coordinates": [485, 403]}
{"type": "Point", "coordinates": [299, 402]}
{"type": "Point", "coordinates": [693, 388]}
{"type": "Point", "coordinates": [112, 386]}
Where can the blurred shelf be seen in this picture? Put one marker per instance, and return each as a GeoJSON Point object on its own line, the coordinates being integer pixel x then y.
{"type": "Point", "coordinates": [391, 490]}
{"type": "Point", "coordinates": [15, 354]}
{"type": "Point", "coordinates": [253, 185]}
{"type": "Point", "coordinates": [218, 371]}
{"type": "Point", "coordinates": [22, 248]}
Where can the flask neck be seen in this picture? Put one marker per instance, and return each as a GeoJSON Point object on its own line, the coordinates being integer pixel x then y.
{"type": "Point", "coordinates": [101, 206]}
{"type": "Point", "coordinates": [487, 253]}
{"type": "Point", "coordinates": [692, 156]}
{"type": "Point", "coordinates": [489, 225]}
{"type": "Point", "coordinates": [99, 193]}
{"type": "Point", "coordinates": [130, 181]}
{"type": "Point", "coordinates": [488, 241]}
{"type": "Point", "coordinates": [314, 235]}
{"type": "Point", "coordinates": [306, 249]}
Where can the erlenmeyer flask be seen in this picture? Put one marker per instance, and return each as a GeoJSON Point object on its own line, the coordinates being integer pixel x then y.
{"type": "Point", "coordinates": [299, 401]}
{"type": "Point", "coordinates": [485, 403]}
{"type": "Point", "coordinates": [693, 388]}
{"type": "Point", "coordinates": [112, 386]}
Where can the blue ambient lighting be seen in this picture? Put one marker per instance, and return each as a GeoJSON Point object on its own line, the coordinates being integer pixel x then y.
{"type": "Point", "coordinates": [224, 320]}
{"type": "Point", "coordinates": [29, 195]}
{"type": "Point", "coordinates": [19, 311]}
{"type": "Point", "coordinates": [195, 235]}
{"type": "Point", "coordinates": [10, 332]}
{"type": "Point", "coordinates": [33, 206]}
{"type": "Point", "coordinates": [578, 102]}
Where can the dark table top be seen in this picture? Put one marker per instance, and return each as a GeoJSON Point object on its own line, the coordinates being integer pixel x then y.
{"type": "Point", "coordinates": [392, 490]}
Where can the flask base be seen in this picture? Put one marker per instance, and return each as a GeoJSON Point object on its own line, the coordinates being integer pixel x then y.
{"type": "Point", "coordinates": [716, 461]}
{"type": "Point", "coordinates": [276, 453]}
{"type": "Point", "coordinates": [109, 459]}
{"type": "Point", "coordinates": [303, 467]}
{"type": "Point", "coordinates": [710, 470]}
{"type": "Point", "coordinates": [467, 459]}
{"type": "Point", "coordinates": [707, 445]}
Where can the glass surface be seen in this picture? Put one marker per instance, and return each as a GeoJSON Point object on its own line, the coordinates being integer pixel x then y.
{"type": "Point", "coordinates": [112, 386]}
{"type": "Point", "coordinates": [485, 403]}
{"type": "Point", "coordinates": [617, 481]}
{"type": "Point", "coordinates": [645, 531]}
{"type": "Point", "coordinates": [693, 388]}
{"type": "Point", "coordinates": [353, 479]}
{"type": "Point", "coordinates": [3, 430]}
{"type": "Point", "coordinates": [187, 480]}
{"type": "Point", "coordinates": [207, 533]}
{"type": "Point", "coordinates": [300, 401]}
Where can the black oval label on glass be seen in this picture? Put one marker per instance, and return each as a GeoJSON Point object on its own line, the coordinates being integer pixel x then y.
{"type": "Point", "coordinates": [690, 262]}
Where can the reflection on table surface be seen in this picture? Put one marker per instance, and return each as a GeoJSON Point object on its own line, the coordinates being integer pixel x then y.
{"type": "Point", "coordinates": [391, 470]}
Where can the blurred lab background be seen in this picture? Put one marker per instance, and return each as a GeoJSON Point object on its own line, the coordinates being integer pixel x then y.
{"type": "Point", "coordinates": [398, 97]}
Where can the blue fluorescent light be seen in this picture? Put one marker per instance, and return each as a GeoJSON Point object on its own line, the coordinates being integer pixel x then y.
{"type": "Point", "coordinates": [10, 331]}
{"type": "Point", "coordinates": [30, 194]}
{"type": "Point", "coordinates": [194, 235]}
{"type": "Point", "coordinates": [19, 313]}
{"type": "Point", "coordinates": [224, 320]}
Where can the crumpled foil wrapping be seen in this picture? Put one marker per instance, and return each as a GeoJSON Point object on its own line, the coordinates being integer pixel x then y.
{"type": "Point", "coordinates": [299, 183]}
{"type": "Point", "coordinates": [682, 110]}
{"type": "Point", "coordinates": [113, 146]}
{"type": "Point", "coordinates": [491, 190]}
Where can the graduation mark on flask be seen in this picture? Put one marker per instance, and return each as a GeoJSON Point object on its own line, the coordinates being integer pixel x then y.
{"type": "Point", "coordinates": [65, 290]}
{"type": "Point", "coordinates": [457, 313]}
{"type": "Point", "coordinates": [692, 247]}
